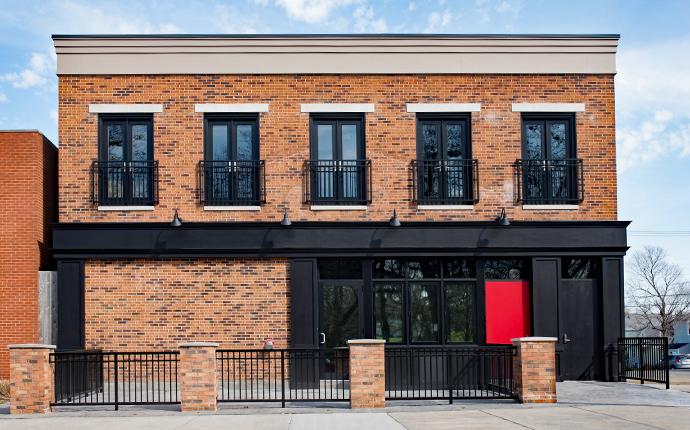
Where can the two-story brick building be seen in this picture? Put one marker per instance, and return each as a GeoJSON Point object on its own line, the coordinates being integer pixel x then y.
{"type": "Point", "coordinates": [310, 189]}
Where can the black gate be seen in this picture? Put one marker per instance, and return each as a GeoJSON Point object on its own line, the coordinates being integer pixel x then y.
{"type": "Point", "coordinates": [643, 359]}
{"type": "Point", "coordinates": [115, 378]}
{"type": "Point", "coordinates": [463, 372]}
{"type": "Point", "coordinates": [283, 375]}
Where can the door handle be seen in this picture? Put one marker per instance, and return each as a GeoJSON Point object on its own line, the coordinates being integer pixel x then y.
{"type": "Point", "coordinates": [566, 339]}
{"type": "Point", "coordinates": [322, 338]}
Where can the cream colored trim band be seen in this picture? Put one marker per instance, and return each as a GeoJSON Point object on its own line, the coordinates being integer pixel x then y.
{"type": "Point", "coordinates": [444, 107]}
{"type": "Point", "coordinates": [548, 107]}
{"type": "Point", "coordinates": [125, 108]}
{"type": "Point", "coordinates": [231, 107]}
{"type": "Point", "coordinates": [337, 107]}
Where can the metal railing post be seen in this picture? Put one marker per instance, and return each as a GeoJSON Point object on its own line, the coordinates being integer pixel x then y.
{"type": "Point", "coordinates": [282, 378]}
{"type": "Point", "coordinates": [448, 378]}
{"type": "Point", "coordinates": [664, 357]}
{"type": "Point", "coordinates": [641, 363]}
{"type": "Point", "coordinates": [117, 407]}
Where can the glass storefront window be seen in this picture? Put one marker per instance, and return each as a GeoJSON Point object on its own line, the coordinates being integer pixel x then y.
{"type": "Point", "coordinates": [510, 268]}
{"type": "Point", "coordinates": [424, 322]}
{"type": "Point", "coordinates": [459, 298]}
{"type": "Point", "coordinates": [388, 312]}
{"type": "Point", "coordinates": [579, 268]}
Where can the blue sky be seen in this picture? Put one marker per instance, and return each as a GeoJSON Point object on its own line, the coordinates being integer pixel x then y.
{"type": "Point", "coordinates": [652, 85]}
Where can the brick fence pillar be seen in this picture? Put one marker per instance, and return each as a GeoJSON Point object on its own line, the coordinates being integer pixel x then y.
{"type": "Point", "coordinates": [32, 384]}
{"type": "Point", "coordinates": [198, 376]}
{"type": "Point", "coordinates": [367, 374]}
{"type": "Point", "coordinates": [534, 369]}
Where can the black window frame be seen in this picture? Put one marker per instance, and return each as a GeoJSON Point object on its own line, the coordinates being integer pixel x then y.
{"type": "Point", "coordinates": [232, 173]}
{"type": "Point", "coordinates": [547, 117]}
{"type": "Point", "coordinates": [329, 181]}
{"type": "Point", "coordinates": [465, 166]}
{"type": "Point", "coordinates": [546, 170]}
{"type": "Point", "coordinates": [439, 283]}
{"type": "Point", "coordinates": [233, 119]}
{"type": "Point", "coordinates": [102, 169]}
{"type": "Point", "coordinates": [338, 119]}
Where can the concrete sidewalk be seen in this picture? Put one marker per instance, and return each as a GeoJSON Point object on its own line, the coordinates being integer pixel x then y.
{"type": "Point", "coordinates": [582, 405]}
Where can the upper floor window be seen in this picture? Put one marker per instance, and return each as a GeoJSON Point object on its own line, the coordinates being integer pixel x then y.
{"type": "Point", "coordinates": [125, 173]}
{"type": "Point", "coordinates": [338, 171]}
{"type": "Point", "coordinates": [549, 171]}
{"type": "Point", "coordinates": [231, 169]}
{"type": "Point", "coordinates": [444, 169]}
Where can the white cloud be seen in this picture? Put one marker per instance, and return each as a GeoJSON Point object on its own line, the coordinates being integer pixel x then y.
{"type": "Point", "coordinates": [660, 136]}
{"type": "Point", "coordinates": [485, 8]}
{"type": "Point", "coordinates": [653, 103]}
{"type": "Point", "coordinates": [54, 116]}
{"type": "Point", "coordinates": [366, 21]}
{"type": "Point", "coordinates": [36, 74]}
{"type": "Point", "coordinates": [412, 6]}
{"type": "Point", "coordinates": [3, 98]}
{"type": "Point", "coordinates": [436, 21]}
{"type": "Point", "coordinates": [312, 11]}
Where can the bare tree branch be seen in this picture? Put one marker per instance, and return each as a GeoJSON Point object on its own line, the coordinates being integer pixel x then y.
{"type": "Point", "coordinates": [658, 291]}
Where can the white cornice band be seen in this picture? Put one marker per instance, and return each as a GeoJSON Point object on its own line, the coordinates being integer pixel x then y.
{"type": "Point", "coordinates": [338, 107]}
{"type": "Point", "coordinates": [231, 108]}
{"type": "Point", "coordinates": [125, 108]}
{"type": "Point", "coordinates": [548, 107]}
{"type": "Point", "coordinates": [335, 54]}
{"type": "Point", "coordinates": [444, 107]}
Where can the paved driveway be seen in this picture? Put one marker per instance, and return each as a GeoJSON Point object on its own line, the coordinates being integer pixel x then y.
{"type": "Point", "coordinates": [583, 405]}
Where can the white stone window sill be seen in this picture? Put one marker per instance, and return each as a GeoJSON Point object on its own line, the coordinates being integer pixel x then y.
{"type": "Point", "coordinates": [445, 207]}
{"type": "Point", "coordinates": [125, 208]}
{"type": "Point", "coordinates": [550, 207]}
{"type": "Point", "coordinates": [338, 207]}
{"type": "Point", "coordinates": [232, 208]}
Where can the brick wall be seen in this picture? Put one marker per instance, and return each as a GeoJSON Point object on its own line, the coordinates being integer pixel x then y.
{"type": "Point", "coordinates": [534, 369]}
{"type": "Point", "coordinates": [158, 304]}
{"type": "Point", "coordinates": [367, 374]}
{"type": "Point", "coordinates": [31, 378]}
{"type": "Point", "coordinates": [28, 175]}
{"type": "Point", "coordinates": [284, 136]}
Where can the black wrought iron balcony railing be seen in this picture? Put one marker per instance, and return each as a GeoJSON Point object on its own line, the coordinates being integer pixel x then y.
{"type": "Point", "coordinates": [446, 182]}
{"type": "Point", "coordinates": [232, 183]}
{"type": "Point", "coordinates": [124, 183]}
{"type": "Point", "coordinates": [550, 182]}
{"type": "Point", "coordinates": [337, 182]}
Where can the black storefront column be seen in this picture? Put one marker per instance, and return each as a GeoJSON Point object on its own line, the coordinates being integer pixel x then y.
{"type": "Point", "coordinates": [545, 277]}
{"type": "Point", "coordinates": [612, 312]}
{"type": "Point", "coordinates": [70, 304]}
{"type": "Point", "coordinates": [303, 304]}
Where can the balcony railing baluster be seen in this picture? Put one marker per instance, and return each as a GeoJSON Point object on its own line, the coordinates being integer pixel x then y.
{"type": "Point", "coordinates": [338, 182]}
{"type": "Point", "coordinates": [446, 181]}
{"type": "Point", "coordinates": [232, 183]}
{"type": "Point", "coordinates": [545, 182]}
{"type": "Point", "coordinates": [124, 183]}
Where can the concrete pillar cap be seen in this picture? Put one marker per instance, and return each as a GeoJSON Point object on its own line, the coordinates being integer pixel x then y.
{"type": "Point", "coordinates": [365, 341]}
{"type": "Point", "coordinates": [534, 339]}
{"type": "Point", "coordinates": [199, 344]}
{"type": "Point", "coordinates": [31, 346]}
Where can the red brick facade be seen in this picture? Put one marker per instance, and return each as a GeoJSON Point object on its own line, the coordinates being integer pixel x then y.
{"type": "Point", "coordinates": [28, 175]}
{"type": "Point", "coordinates": [284, 139]}
{"type": "Point", "coordinates": [158, 304]}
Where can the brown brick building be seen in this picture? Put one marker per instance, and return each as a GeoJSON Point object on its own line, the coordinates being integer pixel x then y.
{"type": "Point", "coordinates": [28, 204]}
{"type": "Point", "coordinates": [333, 187]}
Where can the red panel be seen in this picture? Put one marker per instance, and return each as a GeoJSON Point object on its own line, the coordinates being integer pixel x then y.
{"type": "Point", "coordinates": [507, 310]}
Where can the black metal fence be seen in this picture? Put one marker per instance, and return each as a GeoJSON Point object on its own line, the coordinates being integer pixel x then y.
{"type": "Point", "coordinates": [550, 181]}
{"type": "Point", "coordinates": [115, 378]}
{"type": "Point", "coordinates": [643, 359]}
{"type": "Point", "coordinates": [446, 182]}
{"type": "Point", "coordinates": [336, 182]}
{"type": "Point", "coordinates": [240, 182]}
{"type": "Point", "coordinates": [463, 372]}
{"type": "Point", "coordinates": [124, 182]}
{"type": "Point", "coordinates": [283, 375]}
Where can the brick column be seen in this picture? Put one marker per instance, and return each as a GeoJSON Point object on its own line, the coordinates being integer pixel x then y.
{"type": "Point", "coordinates": [534, 369]}
{"type": "Point", "coordinates": [197, 376]}
{"type": "Point", "coordinates": [367, 374]}
{"type": "Point", "coordinates": [32, 384]}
